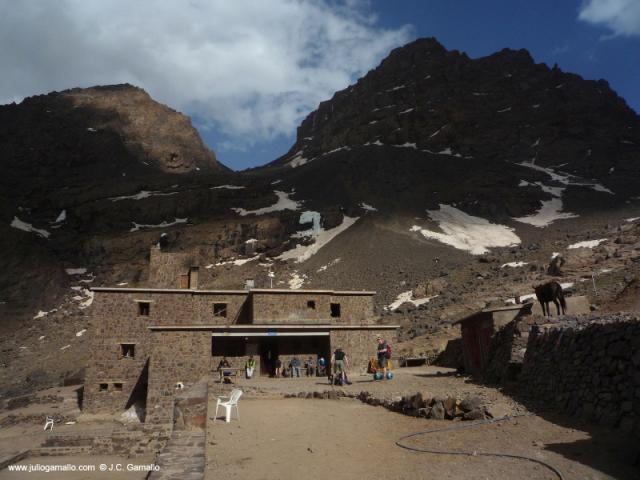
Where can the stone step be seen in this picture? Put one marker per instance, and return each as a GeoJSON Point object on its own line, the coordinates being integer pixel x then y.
{"type": "Point", "coordinates": [183, 458]}
{"type": "Point", "coordinates": [61, 451]}
{"type": "Point", "coordinates": [12, 457]}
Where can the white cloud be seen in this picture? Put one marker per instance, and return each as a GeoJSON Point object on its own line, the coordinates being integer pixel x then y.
{"type": "Point", "coordinates": [622, 17]}
{"type": "Point", "coordinates": [251, 69]}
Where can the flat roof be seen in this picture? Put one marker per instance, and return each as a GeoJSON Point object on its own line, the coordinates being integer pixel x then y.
{"type": "Point", "coordinates": [517, 306]}
{"type": "Point", "coordinates": [229, 292]}
{"type": "Point", "coordinates": [330, 292]}
{"type": "Point", "coordinates": [232, 328]}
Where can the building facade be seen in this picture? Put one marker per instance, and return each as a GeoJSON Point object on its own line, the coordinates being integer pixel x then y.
{"type": "Point", "coordinates": [147, 341]}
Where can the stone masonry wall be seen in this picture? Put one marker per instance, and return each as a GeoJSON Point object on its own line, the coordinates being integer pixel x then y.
{"type": "Point", "coordinates": [176, 356]}
{"type": "Point", "coordinates": [360, 345]}
{"type": "Point", "coordinates": [116, 321]}
{"type": "Point", "coordinates": [165, 268]}
{"type": "Point", "coordinates": [589, 370]}
{"type": "Point", "coordinates": [291, 307]}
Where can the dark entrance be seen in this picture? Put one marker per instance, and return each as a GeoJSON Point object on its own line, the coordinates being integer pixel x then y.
{"type": "Point", "coordinates": [268, 353]}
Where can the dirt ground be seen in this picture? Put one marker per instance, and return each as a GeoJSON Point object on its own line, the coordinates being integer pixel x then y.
{"type": "Point", "coordinates": [345, 439]}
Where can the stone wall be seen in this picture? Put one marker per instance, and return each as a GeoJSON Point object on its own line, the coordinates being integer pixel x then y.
{"type": "Point", "coordinates": [588, 368]}
{"type": "Point", "coordinates": [176, 356]}
{"type": "Point", "coordinates": [291, 306]}
{"type": "Point", "coordinates": [165, 268]}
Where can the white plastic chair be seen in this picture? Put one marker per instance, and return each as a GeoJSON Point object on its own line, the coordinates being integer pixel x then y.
{"type": "Point", "coordinates": [48, 423]}
{"type": "Point", "coordinates": [229, 404]}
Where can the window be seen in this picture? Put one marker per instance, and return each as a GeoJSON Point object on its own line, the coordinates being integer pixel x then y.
{"type": "Point", "coordinates": [311, 304]}
{"type": "Point", "coordinates": [128, 350]}
{"type": "Point", "coordinates": [143, 308]}
{"type": "Point", "coordinates": [117, 387]}
{"type": "Point", "coordinates": [104, 387]}
{"type": "Point", "coordinates": [335, 310]}
{"type": "Point", "coordinates": [220, 310]}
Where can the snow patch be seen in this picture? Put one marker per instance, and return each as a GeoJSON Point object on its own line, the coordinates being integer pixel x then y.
{"type": "Point", "coordinates": [40, 314]}
{"type": "Point", "coordinates": [297, 160]}
{"type": "Point", "coordinates": [239, 262]}
{"type": "Point", "coordinates": [508, 109]}
{"type": "Point", "coordinates": [65, 347]}
{"type": "Point", "coordinates": [75, 271]}
{"type": "Point", "coordinates": [587, 244]}
{"type": "Point", "coordinates": [81, 332]}
{"type": "Point", "coordinates": [142, 194]}
{"type": "Point", "coordinates": [176, 221]}
{"type": "Point", "coordinates": [62, 217]}
{"type": "Point", "coordinates": [296, 281]}
{"type": "Point", "coordinates": [407, 297]}
{"type": "Point", "coordinates": [27, 227]}
{"type": "Point", "coordinates": [632, 219]}
{"type": "Point", "coordinates": [367, 207]}
{"type": "Point", "coordinates": [514, 264]}
{"type": "Point", "coordinates": [330, 264]}
{"type": "Point", "coordinates": [322, 237]}
{"type": "Point", "coordinates": [405, 111]}
{"type": "Point", "coordinates": [230, 187]}
{"type": "Point", "coordinates": [283, 203]}
{"type": "Point", "coordinates": [466, 232]}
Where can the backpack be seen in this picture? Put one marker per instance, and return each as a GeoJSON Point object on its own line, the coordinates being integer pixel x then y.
{"type": "Point", "coordinates": [388, 353]}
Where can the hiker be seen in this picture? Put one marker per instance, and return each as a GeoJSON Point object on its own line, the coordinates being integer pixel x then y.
{"type": "Point", "coordinates": [383, 356]}
{"type": "Point", "coordinates": [322, 367]}
{"type": "Point", "coordinates": [295, 367]}
{"type": "Point", "coordinates": [339, 365]}
{"type": "Point", "coordinates": [310, 367]}
{"type": "Point", "coordinates": [278, 367]}
{"type": "Point", "coordinates": [250, 366]}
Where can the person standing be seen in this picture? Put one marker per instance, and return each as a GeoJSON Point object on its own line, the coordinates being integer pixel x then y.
{"type": "Point", "coordinates": [310, 366]}
{"type": "Point", "coordinates": [383, 356]}
{"type": "Point", "coordinates": [278, 367]}
{"type": "Point", "coordinates": [295, 367]}
{"type": "Point", "coordinates": [250, 366]}
{"type": "Point", "coordinates": [339, 364]}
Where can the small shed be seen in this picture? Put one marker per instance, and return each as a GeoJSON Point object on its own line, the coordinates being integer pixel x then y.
{"type": "Point", "coordinates": [478, 328]}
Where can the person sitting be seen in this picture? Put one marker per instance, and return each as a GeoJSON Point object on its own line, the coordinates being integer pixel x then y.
{"type": "Point", "coordinates": [224, 363]}
{"type": "Point", "coordinates": [310, 366]}
{"type": "Point", "coordinates": [322, 367]}
{"type": "Point", "coordinates": [250, 366]}
{"type": "Point", "coordinates": [295, 367]}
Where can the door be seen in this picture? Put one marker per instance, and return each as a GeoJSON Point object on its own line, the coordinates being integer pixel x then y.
{"type": "Point", "coordinates": [268, 354]}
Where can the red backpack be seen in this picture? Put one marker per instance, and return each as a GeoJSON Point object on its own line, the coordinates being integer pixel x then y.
{"type": "Point", "coordinates": [388, 354]}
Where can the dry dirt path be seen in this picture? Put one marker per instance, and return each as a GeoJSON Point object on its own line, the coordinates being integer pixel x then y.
{"type": "Point", "coordinates": [345, 439]}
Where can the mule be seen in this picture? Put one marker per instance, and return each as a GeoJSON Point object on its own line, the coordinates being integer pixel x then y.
{"type": "Point", "coordinates": [550, 292]}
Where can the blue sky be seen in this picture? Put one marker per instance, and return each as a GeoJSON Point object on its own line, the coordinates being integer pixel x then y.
{"type": "Point", "coordinates": [248, 71]}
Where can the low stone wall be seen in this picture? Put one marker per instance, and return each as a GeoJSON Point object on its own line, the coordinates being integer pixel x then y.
{"type": "Point", "coordinates": [588, 368]}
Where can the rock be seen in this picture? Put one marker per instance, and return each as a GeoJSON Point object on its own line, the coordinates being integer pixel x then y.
{"type": "Point", "coordinates": [450, 405]}
{"type": "Point", "coordinates": [498, 410]}
{"type": "Point", "coordinates": [437, 411]}
{"type": "Point", "coordinates": [475, 414]}
{"type": "Point", "coordinates": [471, 402]}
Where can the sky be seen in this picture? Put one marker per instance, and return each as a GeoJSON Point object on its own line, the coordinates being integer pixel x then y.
{"type": "Point", "coordinates": [249, 71]}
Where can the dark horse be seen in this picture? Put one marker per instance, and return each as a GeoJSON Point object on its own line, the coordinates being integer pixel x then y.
{"type": "Point", "coordinates": [550, 292]}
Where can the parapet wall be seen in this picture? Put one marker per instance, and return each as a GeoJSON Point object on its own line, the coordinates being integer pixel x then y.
{"type": "Point", "coordinates": [589, 369]}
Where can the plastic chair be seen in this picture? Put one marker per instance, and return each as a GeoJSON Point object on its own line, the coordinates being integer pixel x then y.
{"type": "Point", "coordinates": [48, 423]}
{"type": "Point", "coordinates": [229, 404]}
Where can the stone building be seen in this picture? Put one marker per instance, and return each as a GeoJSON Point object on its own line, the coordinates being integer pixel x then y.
{"type": "Point", "coordinates": [147, 341]}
